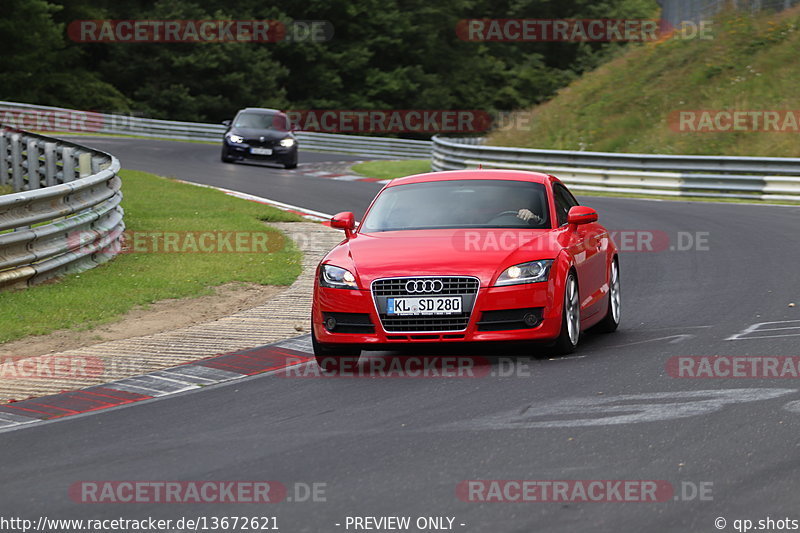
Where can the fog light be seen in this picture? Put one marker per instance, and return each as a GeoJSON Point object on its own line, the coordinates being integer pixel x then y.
{"type": "Point", "coordinates": [530, 319]}
{"type": "Point", "coordinates": [330, 324]}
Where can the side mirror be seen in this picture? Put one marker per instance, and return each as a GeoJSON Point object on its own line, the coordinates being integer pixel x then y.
{"type": "Point", "coordinates": [346, 221]}
{"type": "Point", "coordinates": [226, 123]}
{"type": "Point", "coordinates": [580, 214]}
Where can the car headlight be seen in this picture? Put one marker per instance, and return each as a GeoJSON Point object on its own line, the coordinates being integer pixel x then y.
{"type": "Point", "coordinates": [532, 272]}
{"type": "Point", "coordinates": [337, 278]}
{"type": "Point", "coordinates": [235, 138]}
{"type": "Point", "coordinates": [288, 142]}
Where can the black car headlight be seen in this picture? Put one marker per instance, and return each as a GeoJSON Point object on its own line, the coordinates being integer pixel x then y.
{"type": "Point", "coordinates": [236, 139]}
{"type": "Point", "coordinates": [335, 277]}
{"type": "Point", "coordinates": [531, 272]}
{"type": "Point", "coordinates": [288, 142]}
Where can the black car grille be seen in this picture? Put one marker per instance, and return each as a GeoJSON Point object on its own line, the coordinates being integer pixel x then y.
{"type": "Point", "coordinates": [463, 286]}
{"type": "Point", "coordinates": [258, 143]}
{"type": "Point", "coordinates": [449, 323]}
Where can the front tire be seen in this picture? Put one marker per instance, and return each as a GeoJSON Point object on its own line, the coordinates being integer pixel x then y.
{"type": "Point", "coordinates": [570, 334]}
{"type": "Point", "coordinates": [610, 322]}
{"type": "Point", "coordinates": [292, 163]}
{"type": "Point", "coordinates": [332, 358]}
{"type": "Point", "coordinates": [225, 156]}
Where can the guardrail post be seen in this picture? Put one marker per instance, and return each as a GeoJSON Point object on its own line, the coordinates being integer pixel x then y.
{"type": "Point", "coordinates": [3, 159]}
{"type": "Point", "coordinates": [67, 164]}
{"type": "Point", "coordinates": [34, 175]}
{"type": "Point", "coordinates": [84, 165]}
{"type": "Point", "coordinates": [50, 164]}
{"type": "Point", "coordinates": [17, 170]}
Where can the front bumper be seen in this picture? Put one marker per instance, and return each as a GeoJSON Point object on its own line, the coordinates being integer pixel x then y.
{"type": "Point", "coordinates": [536, 297]}
{"type": "Point", "coordinates": [242, 151]}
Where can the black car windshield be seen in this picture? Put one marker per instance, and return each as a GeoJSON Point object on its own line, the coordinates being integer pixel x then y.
{"type": "Point", "coordinates": [262, 121]}
{"type": "Point", "coordinates": [459, 204]}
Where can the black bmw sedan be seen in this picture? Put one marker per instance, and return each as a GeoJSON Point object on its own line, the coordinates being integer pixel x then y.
{"type": "Point", "coordinates": [260, 134]}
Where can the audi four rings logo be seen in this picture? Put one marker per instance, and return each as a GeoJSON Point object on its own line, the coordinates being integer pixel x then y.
{"type": "Point", "coordinates": [424, 285]}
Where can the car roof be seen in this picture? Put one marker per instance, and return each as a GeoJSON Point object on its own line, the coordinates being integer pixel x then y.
{"type": "Point", "coordinates": [260, 110]}
{"type": "Point", "coordinates": [475, 174]}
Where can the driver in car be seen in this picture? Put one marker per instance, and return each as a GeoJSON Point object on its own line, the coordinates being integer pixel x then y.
{"type": "Point", "coordinates": [529, 216]}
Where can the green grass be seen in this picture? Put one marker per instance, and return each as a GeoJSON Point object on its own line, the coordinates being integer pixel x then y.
{"type": "Point", "coordinates": [386, 170]}
{"type": "Point", "coordinates": [626, 104]}
{"type": "Point", "coordinates": [6, 189]}
{"type": "Point", "coordinates": [154, 204]}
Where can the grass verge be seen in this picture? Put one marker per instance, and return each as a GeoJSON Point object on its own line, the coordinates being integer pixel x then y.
{"type": "Point", "coordinates": [6, 189]}
{"type": "Point", "coordinates": [387, 170]}
{"type": "Point", "coordinates": [154, 204]}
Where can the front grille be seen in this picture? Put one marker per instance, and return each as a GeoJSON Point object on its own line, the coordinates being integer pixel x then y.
{"type": "Point", "coordinates": [451, 286]}
{"type": "Point", "coordinates": [421, 323]}
{"type": "Point", "coordinates": [257, 143]}
{"type": "Point", "coordinates": [466, 287]}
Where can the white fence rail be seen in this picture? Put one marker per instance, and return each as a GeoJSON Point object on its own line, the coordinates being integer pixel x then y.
{"type": "Point", "coordinates": [757, 178]}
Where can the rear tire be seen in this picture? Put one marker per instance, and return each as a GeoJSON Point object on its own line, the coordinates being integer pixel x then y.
{"type": "Point", "coordinates": [610, 322]}
{"type": "Point", "coordinates": [570, 334]}
{"type": "Point", "coordinates": [332, 358]}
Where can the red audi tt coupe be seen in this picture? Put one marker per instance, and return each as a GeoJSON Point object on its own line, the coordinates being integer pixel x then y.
{"type": "Point", "coordinates": [465, 256]}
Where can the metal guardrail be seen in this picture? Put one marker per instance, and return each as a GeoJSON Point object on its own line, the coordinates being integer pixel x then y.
{"type": "Point", "coordinates": [65, 215]}
{"type": "Point", "coordinates": [45, 118]}
{"type": "Point", "coordinates": [755, 178]}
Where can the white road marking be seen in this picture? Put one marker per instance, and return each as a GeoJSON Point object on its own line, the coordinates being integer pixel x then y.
{"type": "Point", "coordinates": [622, 409]}
{"type": "Point", "coordinates": [757, 328]}
{"type": "Point", "coordinates": [675, 340]}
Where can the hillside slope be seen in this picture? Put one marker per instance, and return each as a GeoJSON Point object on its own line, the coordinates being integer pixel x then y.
{"type": "Point", "coordinates": [632, 103]}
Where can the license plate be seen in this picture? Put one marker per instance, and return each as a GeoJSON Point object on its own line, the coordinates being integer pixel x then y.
{"type": "Point", "coordinates": [261, 151]}
{"type": "Point", "coordinates": [433, 305]}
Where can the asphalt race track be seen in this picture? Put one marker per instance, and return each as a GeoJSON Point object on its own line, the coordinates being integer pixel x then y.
{"type": "Point", "coordinates": [200, 163]}
{"type": "Point", "coordinates": [402, 446]}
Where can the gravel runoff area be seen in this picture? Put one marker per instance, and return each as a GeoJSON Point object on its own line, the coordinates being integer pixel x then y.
{"type": "Point", "coordinates": [284, 316]}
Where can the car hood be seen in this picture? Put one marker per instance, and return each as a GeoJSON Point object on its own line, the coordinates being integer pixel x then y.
{"type": "Point", "coordinates": [482, 253]}
{"type": "Point", "coordinates": [254, 133]}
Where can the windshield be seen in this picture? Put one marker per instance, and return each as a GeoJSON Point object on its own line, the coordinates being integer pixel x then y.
{"type": "Point", "coordinates": [459, 204]}
{"type": "Point", "coordinates": [262, 121]}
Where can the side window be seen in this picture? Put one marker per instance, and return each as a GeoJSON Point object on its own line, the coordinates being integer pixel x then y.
{"type": "Point", "coordinates": [564, 202]}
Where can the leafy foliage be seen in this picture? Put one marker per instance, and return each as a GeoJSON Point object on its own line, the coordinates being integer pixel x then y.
{"type": "Point", "coordinates": [385, 54]}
